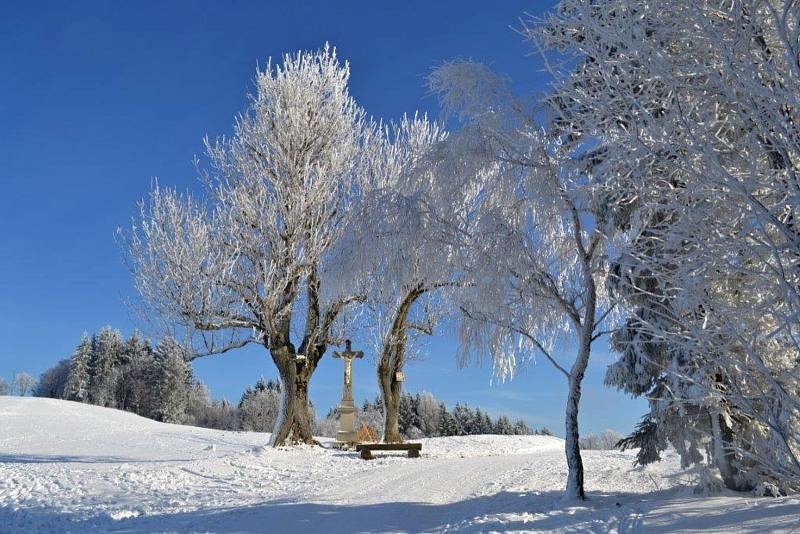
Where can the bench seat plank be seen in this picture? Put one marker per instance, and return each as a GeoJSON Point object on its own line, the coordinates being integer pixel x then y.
{"type": "Point", "coordinates": [389, 446]}
{"type": "Point", "coordinates": [366, 449]}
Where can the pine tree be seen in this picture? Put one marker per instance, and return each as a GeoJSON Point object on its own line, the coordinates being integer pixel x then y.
{"type": "Point", "coordinates": [463, 417]}
{"type": "Point", "coordinates": [447, 423]}
{"type": "Point", "coordinates": [503, 426]}
{"type": "Point", "coordinates": [521, 428]}
{"type": "Point", "coordinates": [77, 387]}
{"type": "Point", "coordinates": [259, 405]}
{"type": "Point", "coordinates": [134, 376]}
{"type": "Point", "coordinates": [173, 381]}
{"type": "Point", "coordinates": [407, 418]}
{"type": "Point", "coordinates": [106, 348]}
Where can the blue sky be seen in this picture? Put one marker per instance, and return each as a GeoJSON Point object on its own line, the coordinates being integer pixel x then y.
{"type": "Point", "coordinates": [96, 99]}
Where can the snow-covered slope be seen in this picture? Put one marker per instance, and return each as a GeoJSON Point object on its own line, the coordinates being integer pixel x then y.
{"type": "Point", "coordinates": [68, 467]}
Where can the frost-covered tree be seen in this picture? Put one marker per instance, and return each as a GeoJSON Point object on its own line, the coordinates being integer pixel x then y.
{"type": "Point", "coordinates": [408, 420]}
{"type": "Point", "coordinates": [135, 391]}
{"type": "Point", "coordinates": [464, 419]}
{"type": "Point", "coordinates": [198, 405]}
{"type": "Point", "coordinates": [503, 426]}
{"type": "Point", "coordinates": [77, 387]}
{"type": "Point", "coordinates": [23, 384]}
{"type": "Point", "coordinates": [483, 423]}
{"type": "Point", "coordinates": [105, 351]}
{"type": "Point", "coordinates": [259, 405]}
{"type": "Point", "coordinates": [694, 120]}
{"type": "Point", "coordinates": [327, 426]}
{"type": "Point", "coordinates": [247, 265]}
{"type": "Point", "coordinates": [173, 381]}
{"type": "Point", "coordinates": [394, 251]}
{"type": "Point", "coordinates": [371, 415]}
{"type": "Point", "coordinates": [537, 261]}
{"type": "Point", "coordinates": [447, 423]}
{"type": "Point", "coordinates": [521, 428]}
{"type": "Point", "coordinates": [53, 381]}
{"type": "Point", "coordinates": [605, 440]}
{"type": "Point", "coordinates": [428, 410]}
{"type": "Point", "coordinates": [4, 389]}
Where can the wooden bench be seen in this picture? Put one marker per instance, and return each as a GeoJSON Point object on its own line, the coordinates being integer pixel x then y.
{"type": "Point", "coordinates": [366, 449]}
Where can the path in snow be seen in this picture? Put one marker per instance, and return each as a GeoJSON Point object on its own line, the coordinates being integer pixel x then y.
{"type": "Point", "coordinates": [69, 467]}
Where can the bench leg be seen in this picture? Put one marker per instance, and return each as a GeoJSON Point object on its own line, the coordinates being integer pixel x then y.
{"type": "Point", "coordinates": [413, 453]}
{"type": "Point", "coordinates": [366, 454]}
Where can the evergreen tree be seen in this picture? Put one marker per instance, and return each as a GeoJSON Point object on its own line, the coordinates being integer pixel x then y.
{"type": "Point", "coordinates": [106, 348]}
{"type": "Point", "coordinates": [503, 426]}
{"type": "Point", "coordinates": [77, 386]}
{"type": "Point", "coordinates": [407, 419]}
{"type": "Point", "coordinates": [447, 423]}
{"type": "Point", "coordinates": [462, 416]}
{"type": "Point", "coordinates": [135, 376]}
{"type": "Point", "coordinates": [259, 405]}
{"type": "Point", "coordinates": [477, 422]}
{"type": "Point", "coordinates": [173, 381]}
{"type": "Point", "coordinates": [521, 428]}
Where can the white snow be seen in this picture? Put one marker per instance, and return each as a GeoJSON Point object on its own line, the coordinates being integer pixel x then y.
{"type": "Point", "coordinates": [69, 467]}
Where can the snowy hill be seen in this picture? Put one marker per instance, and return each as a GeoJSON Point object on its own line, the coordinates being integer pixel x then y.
{"type": "Point", "coordinates": [69, 467]}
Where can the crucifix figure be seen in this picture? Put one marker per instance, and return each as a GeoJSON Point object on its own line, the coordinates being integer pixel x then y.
{"type": "Point", "coordinates": [347, 409]}
{"type": "Point", "coordinates": [347, 355]}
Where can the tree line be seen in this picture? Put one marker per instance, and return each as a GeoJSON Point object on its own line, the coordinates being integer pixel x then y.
{"type": "Point", "coordinates": [423, 416]}
{"type": "Point", "coordinates": [157, 383]}
{"type": "Point", "coordinates": [127, 374]}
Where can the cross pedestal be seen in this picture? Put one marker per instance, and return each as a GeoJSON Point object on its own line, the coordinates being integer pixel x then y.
{"type": "Point", "coordinates": [347, 409]}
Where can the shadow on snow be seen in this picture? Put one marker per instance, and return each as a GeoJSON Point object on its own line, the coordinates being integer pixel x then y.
{"type": "Point", "coordinates": [540, 511]}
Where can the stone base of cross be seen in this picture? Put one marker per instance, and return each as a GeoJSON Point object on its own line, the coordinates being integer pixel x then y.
{"type": "Point", "coordinates": [347, 409]}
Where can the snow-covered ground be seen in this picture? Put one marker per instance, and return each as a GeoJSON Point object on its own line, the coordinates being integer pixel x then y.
{"type": "Point", "coordinates": [68, 467]}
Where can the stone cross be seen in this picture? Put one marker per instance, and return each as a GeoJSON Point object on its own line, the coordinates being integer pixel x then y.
{"type": "Point", "coordinates": [347, 409]}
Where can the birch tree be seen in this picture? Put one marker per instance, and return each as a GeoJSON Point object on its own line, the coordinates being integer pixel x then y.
{"type": "Point", "coordinates": [536, 262]}
{"type": "Point", "coordinates": [23, 384]}
{"type": "Point", "coordinates": [400, 249]}
{"type": "Point", "coordinates": [694, 117]}
{"type": "Point", "coordinates": [247, 263]}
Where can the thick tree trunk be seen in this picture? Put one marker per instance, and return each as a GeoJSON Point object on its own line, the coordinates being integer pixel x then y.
{"type": "Point", "coordinates": [391, 390]}
{"type": "Point", "coordinates": [391, 363]}
{"type": "Point", "coordinates": [294, 422]}
{"type": "Point", "coordinates": [722, 443]}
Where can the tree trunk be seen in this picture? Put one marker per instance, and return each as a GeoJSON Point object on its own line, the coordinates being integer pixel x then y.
{"type": "Point", "coordinates": [722, 443]}
{"type": "Point", "coordinates": [724, 456]}
{"type": "Point", "coordinates": [572, 442]}
{"type": "Point", "coordinates": [391, 363]}
{"type": "Point", "coordinates": [294, 422]}
{"type": "Point", "coordinates": [391, 390]}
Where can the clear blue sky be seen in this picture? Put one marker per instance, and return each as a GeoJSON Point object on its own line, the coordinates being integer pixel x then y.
{"type": "Point", "coordinates": [96, 99]}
